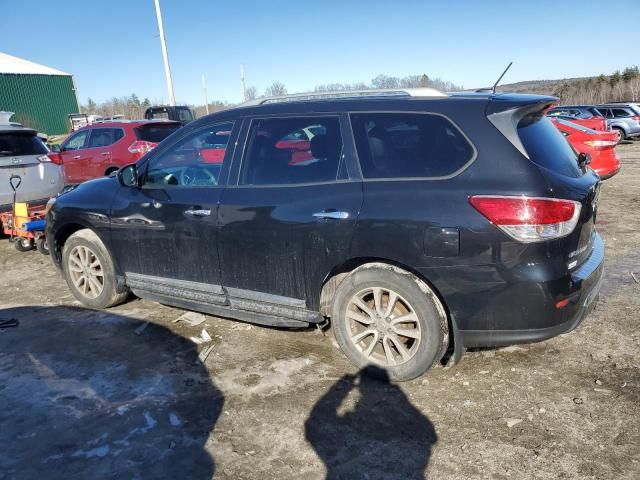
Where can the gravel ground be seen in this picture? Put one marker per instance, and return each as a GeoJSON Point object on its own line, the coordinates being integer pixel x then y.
{"type": "Point", "coordinates": [123, 394]}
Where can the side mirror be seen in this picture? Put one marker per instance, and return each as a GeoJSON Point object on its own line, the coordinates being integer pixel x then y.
{"type": "Point", "coordinates": [584, 159]}
{"type": "Point", "coordinates": [128, 176]}
{"type": "Point", "coordinates": [55, 147]}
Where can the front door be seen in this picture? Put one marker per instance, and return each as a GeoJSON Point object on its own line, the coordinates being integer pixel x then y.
{"type": "Point", "coordinates": [75, 157]}
{"type": "Point", "coordinates": [164, 233]}
{"type": "Point", "coordinates": [285, 223]}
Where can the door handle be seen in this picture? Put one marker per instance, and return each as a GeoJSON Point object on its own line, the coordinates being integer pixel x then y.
{"type": "Point", "coordinates": [198, 213]}
{"type": "Point", "coordinates": [106, 153]}
{"type": "Point", "coordinates": [333, 214]}
{"type": "Point", "coordinates": [77, 157]}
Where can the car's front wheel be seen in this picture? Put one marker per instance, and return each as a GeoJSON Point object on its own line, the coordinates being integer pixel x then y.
{"type": "Point", "coordinates": [89, 272]}
{"type": "Point", "coordinates": [387, 317]}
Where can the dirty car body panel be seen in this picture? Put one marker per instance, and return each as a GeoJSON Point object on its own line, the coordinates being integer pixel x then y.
{"type": "Point", "coordinates": [263, 255]}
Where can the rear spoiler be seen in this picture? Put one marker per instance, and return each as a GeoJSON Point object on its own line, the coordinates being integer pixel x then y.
{"type": "Point", "coordinates": [506, 111]}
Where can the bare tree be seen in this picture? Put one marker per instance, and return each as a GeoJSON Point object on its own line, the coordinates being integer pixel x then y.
{"type": "Point", "coordinates": [384, 81]}
{"type": "Point", "coordinates": [276, 89]}
{"type": "Point", "coordinates": [251, 93]}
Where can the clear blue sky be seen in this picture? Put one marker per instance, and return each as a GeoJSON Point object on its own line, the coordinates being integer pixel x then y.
{"type": "Point", "coordinates": [113, 49]}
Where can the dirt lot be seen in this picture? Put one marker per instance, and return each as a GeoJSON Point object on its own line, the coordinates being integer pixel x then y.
{"type": "Point", "coordinates": [87, 394]}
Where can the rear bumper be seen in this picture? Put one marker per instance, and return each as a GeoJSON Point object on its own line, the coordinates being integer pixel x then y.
{"type": "Point", "coordinates": [584, 286]}
{"type": "Point", "coordinates": [40, 182]}
{"type": "Point", "coordinates": [604, 174]}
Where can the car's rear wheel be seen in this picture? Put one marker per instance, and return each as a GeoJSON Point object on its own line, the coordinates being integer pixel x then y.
{"type": "Point", "coordinates": [89, 272]}
{"type": "Point", "coordinates": [41, 246]}
{"type": "Point", "coordinates": [23, 244]}
{"type": "Point", "coordinates": [389, 318]}
{"type": "Point", "coordinates": [621, 132]}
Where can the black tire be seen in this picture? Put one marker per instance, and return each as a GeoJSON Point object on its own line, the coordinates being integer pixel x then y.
{"type": "Point", "coordinates": [41, 246]}
{"type": "Point", "coordinates": [419, 298]}
{"type": "Point", "coordinates": [109, 171]}
{"type": "Point", "coordinates": [23, 244]}
{"type": "Point", "coordinates": [622, 134]}
{"type": "Point", "coordinates": [87, 241]}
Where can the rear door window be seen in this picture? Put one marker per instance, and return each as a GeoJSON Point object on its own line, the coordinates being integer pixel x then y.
{"type": "Point", "coordinates": [101, 137]}
{"type": "Point", "coordinates": [409, 145]}
{"type": "Point", "coordinates": [546, 146]}
{"type": "Point", "coordinates": [16, 144]}
{"type": "Point", "coordinates": [292, 150]}
{"type": "Point", "coordinates": [620, 112]}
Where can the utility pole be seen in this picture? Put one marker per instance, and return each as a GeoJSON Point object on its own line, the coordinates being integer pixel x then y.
{"type": "Point", "coordinates": [204, 89]}
{"type": "Point", "coordinates": [165, 55]}
{"type": "Point", "coordinates": [244, 86]}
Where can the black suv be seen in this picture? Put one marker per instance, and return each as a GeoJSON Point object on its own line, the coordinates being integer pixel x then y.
{"type": "Point", "coordinates": [416, 222]}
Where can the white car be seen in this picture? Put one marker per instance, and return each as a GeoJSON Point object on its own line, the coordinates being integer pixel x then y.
{"type": "Point", "coordinates": [24, 154]}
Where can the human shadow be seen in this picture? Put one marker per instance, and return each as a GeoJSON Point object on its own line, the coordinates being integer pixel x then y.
{"type": "Point", "coordinates": [380, 435]}
{"type": "Point", "coordinates": [86, 394]}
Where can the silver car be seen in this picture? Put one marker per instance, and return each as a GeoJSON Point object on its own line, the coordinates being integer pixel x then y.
{"type": "Point", "coordinates": [623, 118]}
{"type": "Point", "coordinates": [24, 154]}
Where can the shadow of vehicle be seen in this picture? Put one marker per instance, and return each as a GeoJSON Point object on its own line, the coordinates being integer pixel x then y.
{"type": "Point", "coordinates": [379, 436]}
{"type": "Point", "coordinates": [83, 396]}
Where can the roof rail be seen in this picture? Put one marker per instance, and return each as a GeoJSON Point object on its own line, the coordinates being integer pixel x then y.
{"type": "Point", "coordinates": [347, 94]}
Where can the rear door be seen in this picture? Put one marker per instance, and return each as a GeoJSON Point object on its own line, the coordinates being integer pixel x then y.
{"type": "Point", "coordinates": [75, 157]}
{"type": "Point", "coordinates": [284, 224]}
{"type": "Point", "coordinates": [99, 155]}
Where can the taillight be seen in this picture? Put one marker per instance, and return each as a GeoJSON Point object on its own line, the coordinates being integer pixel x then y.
{"type": "Point", "coordinates": [636, 118]}
{"type": "Point", "coordinates": [601, 143]}
{"type": "Point", "coordinates": [52, 157]}
{"type": "Point", "coordinates": [529, 219]}
{"type": "Point", "coordinates": [141, 146]}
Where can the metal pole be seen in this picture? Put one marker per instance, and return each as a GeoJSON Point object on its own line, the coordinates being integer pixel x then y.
{"type": "Point", "coordinates": [244, 86]}
{"type": "Point", "coordinates": [204, 89]}
{"type": "Point", "coordinates": [165, 55]}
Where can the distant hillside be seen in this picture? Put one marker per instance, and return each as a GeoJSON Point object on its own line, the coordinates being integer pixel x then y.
{"type": "Point", "coordinates": [542, 87]}
{"type": "Point", "coordinates": [618, 86]}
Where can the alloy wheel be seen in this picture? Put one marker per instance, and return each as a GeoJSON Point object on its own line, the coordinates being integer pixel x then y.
{"type": "Point", "coordinates": [383, 326]}
{"type": "Point", "coordinates": [86, 271]}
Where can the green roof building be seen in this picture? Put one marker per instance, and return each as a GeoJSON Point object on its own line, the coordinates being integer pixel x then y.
{"type": "Point", "coordinates": [41, 97]}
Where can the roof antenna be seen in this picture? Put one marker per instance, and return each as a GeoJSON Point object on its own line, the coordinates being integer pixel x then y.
{"type": "Point", "coordinates": [500, 77]}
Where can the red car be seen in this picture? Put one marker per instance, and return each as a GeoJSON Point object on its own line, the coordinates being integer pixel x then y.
{"type": "Point", "coordinates": [102, 148]}
{"type": "Point", "coordinates": [600, 145]}
{"type": "Point", "coordinates": [594, 123]}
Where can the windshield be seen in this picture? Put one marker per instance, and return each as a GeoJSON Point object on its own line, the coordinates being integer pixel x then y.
{"type": "Point", "coordinates": [19, 143]}
{"type": "Point", "coordinates": [155, 133]}
{"type": "Point", "coordinates": [547, 147]}
{"type": "Point", "coordinates": [162, 114]}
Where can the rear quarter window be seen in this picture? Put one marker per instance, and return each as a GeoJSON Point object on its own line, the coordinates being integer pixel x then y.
{"type": "Point", "coordinates": [409, 145]}
{"type": "Point", "coordinates": [621, 112]}
{"type": "Point", "coordinates": [547, 147]}
{"type": "Point", "coordinates": [155, 133]}
{"type": "Point", "coordinates": [16, 144]}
